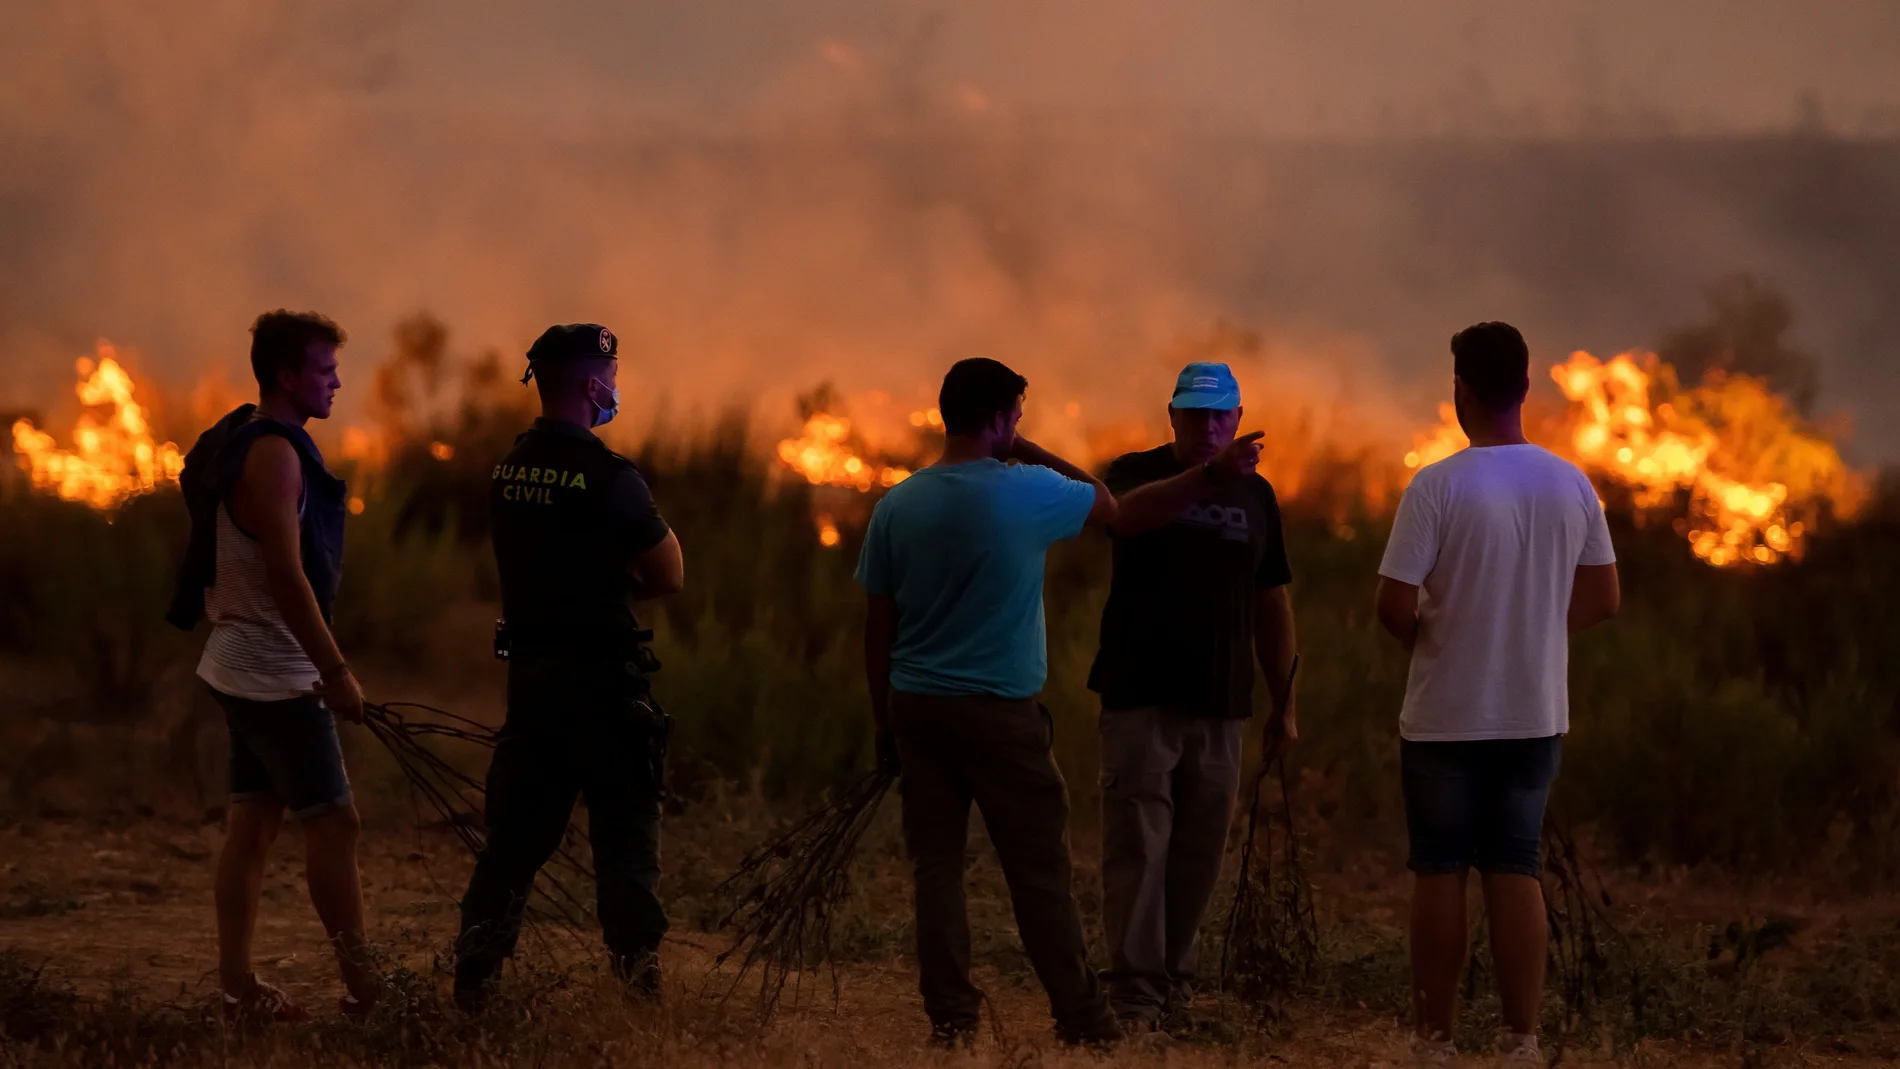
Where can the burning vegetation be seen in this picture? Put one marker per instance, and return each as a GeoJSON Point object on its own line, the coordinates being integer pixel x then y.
{"type": "Point", "coordinates": [832, 454]}
{"type": "Point", "coordinates": [1755, 478]}
{"type": "Point", "coordinates": [828, 453]}
{"type": "Point", "coordinates": [114, 456]}
{"type": "Point", "coordinates": [1730, 463]}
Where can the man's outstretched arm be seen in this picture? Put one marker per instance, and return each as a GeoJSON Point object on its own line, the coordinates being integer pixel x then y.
{"type": "Point", "coordinates": [1154, 505]}
{"type": "Point", "coordinates": [1398, 611]}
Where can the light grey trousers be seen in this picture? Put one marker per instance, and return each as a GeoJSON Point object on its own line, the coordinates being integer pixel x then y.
{"type": "Point", "coordinates": [1169, 781]}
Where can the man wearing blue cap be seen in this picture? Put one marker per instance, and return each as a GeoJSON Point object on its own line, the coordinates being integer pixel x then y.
{"type": "Point", "coordinates": [1199, 594]}
{"type": "Point", "coordinates": [577, 541]}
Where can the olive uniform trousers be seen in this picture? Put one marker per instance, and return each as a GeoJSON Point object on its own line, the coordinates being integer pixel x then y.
{"type": "Point", "coordinates": [575, 728]}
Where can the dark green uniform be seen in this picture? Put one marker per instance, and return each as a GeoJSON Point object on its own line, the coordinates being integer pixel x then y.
{"type": "Point", "coordinates": [569, 514]}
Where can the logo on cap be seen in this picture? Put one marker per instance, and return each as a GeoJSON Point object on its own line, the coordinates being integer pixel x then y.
{"type": "Point", "coordinates": [606, 340]}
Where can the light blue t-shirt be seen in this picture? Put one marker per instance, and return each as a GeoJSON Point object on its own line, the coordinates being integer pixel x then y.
{"type": "Point", "coordinates": [960, 549]}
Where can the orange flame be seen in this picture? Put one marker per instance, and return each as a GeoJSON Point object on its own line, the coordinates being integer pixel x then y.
{"type": "Point", "coordinates": [825, 456]}
{"type": "Point", "coordinates": [114, 456]}
{"type": "Point", "coordinates": [1756, 480]}
{"type": "Point", "coordinates": [1728, 461]}
{"type": "Point", "coordinates": [1440, 442]}
{"type": "Point", "coordinates": [1618, 433]}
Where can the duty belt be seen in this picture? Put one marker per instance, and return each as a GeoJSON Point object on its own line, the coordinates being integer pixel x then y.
{"type": "Point", "coordinates": [632, 645]}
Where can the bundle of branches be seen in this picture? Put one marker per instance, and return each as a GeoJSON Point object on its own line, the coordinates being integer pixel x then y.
{"type": "Point", "coordinates": [786, 893]}
{"type": "Point", "coordinates": [1270, 942]}
{"type": "Point", "coordinates": [458, 797]}
{"type": "Point", "coordinates": [1580, 926]}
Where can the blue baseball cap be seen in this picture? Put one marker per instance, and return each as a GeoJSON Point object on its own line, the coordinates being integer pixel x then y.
{"type": "Point", "coordinates": [1206, 385]}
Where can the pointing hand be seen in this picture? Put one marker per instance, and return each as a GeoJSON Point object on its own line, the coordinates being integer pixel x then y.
{"type": "Point", "coordinates": [1240, 458]}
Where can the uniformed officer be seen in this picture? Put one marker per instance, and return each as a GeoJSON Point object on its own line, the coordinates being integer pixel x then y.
{"type": "Point", "coordinates": [577, 541]}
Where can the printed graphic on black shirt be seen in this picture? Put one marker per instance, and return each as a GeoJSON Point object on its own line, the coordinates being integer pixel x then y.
{"type": "Point", "coordinates": [1178, 628]}
{"type": "Point", "coordinates": [568, 514]}
{"type": "Point", "coordinates": [1230, 521]}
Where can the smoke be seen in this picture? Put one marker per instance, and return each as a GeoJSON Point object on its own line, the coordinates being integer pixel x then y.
{"type": "Point", "coordinates": [758, 198]}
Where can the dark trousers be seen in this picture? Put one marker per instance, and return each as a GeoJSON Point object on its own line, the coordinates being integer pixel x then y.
{"type": "Point", "coordinates": [573, 730]}
{"type": "Point", "coordinates": [995, 752]}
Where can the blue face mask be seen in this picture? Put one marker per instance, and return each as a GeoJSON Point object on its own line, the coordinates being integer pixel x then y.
{"type": "Point", "coordinates": [604, 416]}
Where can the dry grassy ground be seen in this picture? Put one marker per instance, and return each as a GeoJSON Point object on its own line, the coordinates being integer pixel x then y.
{"type": "Point", "coordinates": [119, 916]}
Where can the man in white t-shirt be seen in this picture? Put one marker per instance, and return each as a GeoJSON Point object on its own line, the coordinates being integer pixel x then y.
{"type": "Point", "coordinates": [1498, 555]}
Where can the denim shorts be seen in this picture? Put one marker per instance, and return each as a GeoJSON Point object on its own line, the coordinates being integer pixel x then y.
{"type": "Point", "coordinates": [286, 752]}
{"type": "Point", "coordinates": [1478, 803]}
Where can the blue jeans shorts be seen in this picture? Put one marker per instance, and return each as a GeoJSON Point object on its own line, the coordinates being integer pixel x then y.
{"type": "Point", "coordinates": [286, 752]}
{"type": "Point", "coordinates": [1478, 803]}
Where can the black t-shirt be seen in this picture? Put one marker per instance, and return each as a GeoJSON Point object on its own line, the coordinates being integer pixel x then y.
{"type": "Point", "coordinates": [569, 514]}
{"type": "Point", "coordinates": [1179, 626]}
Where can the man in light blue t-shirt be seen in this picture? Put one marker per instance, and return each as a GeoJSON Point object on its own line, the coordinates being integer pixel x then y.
{"type": "Point", "coordinates": [954, 652]}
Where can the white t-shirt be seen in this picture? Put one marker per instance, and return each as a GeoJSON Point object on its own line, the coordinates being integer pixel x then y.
{"type": "Point", "coordinates": [1493, 537]}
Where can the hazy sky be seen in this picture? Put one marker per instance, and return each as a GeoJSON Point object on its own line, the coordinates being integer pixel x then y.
{"type": "Point", "coordinates": [1320, 67]}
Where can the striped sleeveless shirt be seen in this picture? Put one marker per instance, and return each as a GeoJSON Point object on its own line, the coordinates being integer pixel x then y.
{"type": "Point", "coordinates": [251, 653]}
